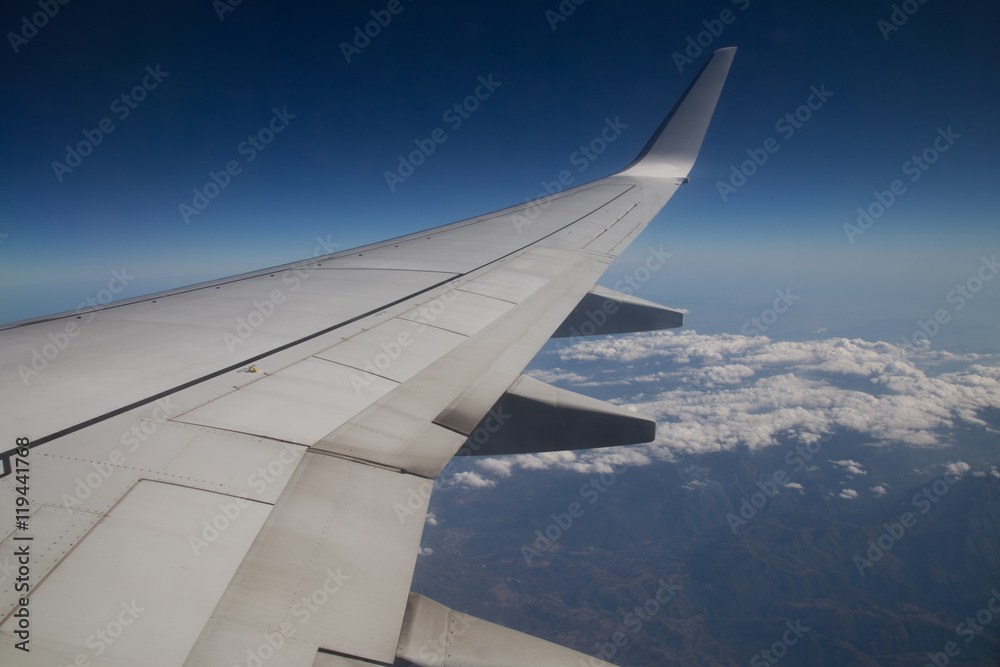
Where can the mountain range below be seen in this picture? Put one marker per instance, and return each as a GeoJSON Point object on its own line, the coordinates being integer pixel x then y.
{"type": "Point", "coordinates": [713, 559]}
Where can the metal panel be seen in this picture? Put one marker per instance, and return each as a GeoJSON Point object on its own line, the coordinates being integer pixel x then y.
{"type": "Point", "coordinates": [392, 435]}
{"type": "Point", "coordinates": [397, 349]}
{"type": "Point", "coordinates": [464, 313]}
{"type": "Point", "coordinates": [135, 591]}
{"type": "Point", "coordinates": [545, 262]}
{"type": "Point", "coordinates": [92, 469]}
{"type": "Point", "coordinates": [300, 404]}
{"type": "Point", "coordinates": [507, 284]}
{"type": "Point", "coordinates": [435, 636]}
{"type": "Point", "coordinates": [333, 564]}
{"type": "Point", "coordinates": [54, 531]}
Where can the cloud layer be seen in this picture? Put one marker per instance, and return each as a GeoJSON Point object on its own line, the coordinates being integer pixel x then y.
{"type": "Point", "coordinates": [716, 392]}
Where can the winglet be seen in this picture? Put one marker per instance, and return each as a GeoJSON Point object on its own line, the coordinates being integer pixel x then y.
{"type": "Point", "coordinates": [672, 150]}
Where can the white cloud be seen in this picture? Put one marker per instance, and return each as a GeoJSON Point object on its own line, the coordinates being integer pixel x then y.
{"type": "Point", "coordinates": [717, 392]}
{"type": "Point", "coordinates": [848, 494]}
{"type": "Point", "coordinates": [470, 480]}
{"type": "Point", "coordinates": [957, 469]}
{"type": "Point", "coordinates": [721, 391]}
{"type": "Point", "coordinates": [795, 485]}
{"type": "Point", "coordinates": [431, 519]}
{"type": "Point", "coordinates": [880, 490]}
{"type": "Point", "coordinates": [499, 467]}
{"type": "Point", "coordinates": [588, 462]}
{"type": "Point", "coordinates": [424, 551]}
{"type": "Point", "coordinates": [852, 467]}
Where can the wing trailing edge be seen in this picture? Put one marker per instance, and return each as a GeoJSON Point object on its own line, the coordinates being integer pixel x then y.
{"type": "Point", "coordinates": [435, 636]}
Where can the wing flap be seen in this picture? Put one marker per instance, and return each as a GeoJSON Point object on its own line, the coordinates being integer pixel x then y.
{"type": "Point", "coordinates": [135, 591]}
{"type": "Point", "coordinates": [436, 636]}
{"type": "Point", "coordinates": [330, 569]}
{"type": "Point", "coordinates": [452, 393]}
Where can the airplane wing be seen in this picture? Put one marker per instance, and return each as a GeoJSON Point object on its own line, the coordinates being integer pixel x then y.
{"type": "Point", "coordinates": [237, 472]}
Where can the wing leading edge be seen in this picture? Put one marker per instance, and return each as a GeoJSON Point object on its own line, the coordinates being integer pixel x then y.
{"type": "Point", "coordinates": [299, 490]}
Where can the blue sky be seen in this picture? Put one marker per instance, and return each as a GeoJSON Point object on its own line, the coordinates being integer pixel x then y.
{"type": "Point", "coordinates": [323, 176]}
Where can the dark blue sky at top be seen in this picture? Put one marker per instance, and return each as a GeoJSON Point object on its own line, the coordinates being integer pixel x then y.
{"type": "Point", "coordinates": [323, 176]}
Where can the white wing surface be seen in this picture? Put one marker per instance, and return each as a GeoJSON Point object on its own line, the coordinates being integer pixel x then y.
{"type": "Point", "coordinates": [237, 473]}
